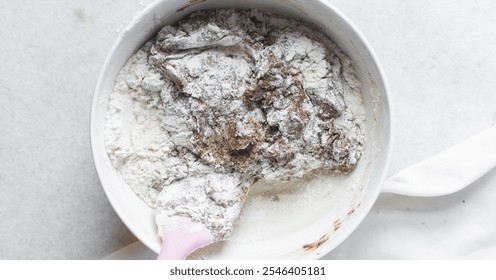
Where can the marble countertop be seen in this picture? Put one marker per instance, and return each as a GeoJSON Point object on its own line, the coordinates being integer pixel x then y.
{"type": "Point", "coordinates": [440, 59]}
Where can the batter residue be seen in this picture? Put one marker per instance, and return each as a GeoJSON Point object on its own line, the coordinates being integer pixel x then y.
{"type": "Point", "coordinates": [222, 98]}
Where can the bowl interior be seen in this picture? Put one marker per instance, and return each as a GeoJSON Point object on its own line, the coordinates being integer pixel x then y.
{"type": "Point", "coordinates": [309, 221]}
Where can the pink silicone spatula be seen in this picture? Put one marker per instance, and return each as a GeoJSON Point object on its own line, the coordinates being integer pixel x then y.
{"type": "Point", "coordinates": [184, 238]}
{"type": "Point", "coordinates": [198, 211]}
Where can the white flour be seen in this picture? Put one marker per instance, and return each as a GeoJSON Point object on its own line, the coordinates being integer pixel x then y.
{"type": "Point", "coordinates": [223, 98]}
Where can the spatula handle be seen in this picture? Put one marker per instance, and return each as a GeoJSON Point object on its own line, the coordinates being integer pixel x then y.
{"type": "Point", "coordinates": [186, 237]}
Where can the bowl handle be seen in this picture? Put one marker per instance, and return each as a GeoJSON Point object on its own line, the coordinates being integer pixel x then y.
{"type": "Point", "coordinates": [449, 171]}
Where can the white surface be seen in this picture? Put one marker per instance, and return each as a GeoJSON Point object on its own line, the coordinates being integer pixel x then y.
{"type": "Point", "coordinates": [439, 58]}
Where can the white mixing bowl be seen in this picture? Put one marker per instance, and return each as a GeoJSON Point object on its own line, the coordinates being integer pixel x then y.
{"type": "Point", "coordinates": [309, 222]}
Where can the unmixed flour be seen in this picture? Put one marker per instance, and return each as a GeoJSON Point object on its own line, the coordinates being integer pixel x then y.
{"type": "Point", "coordinates": [223, 98]}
